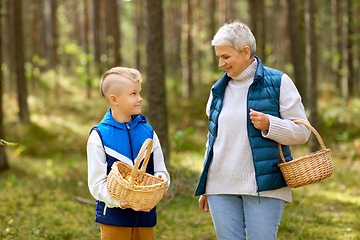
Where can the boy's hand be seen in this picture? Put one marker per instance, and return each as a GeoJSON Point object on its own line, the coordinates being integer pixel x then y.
{"type": "Point", "coordinates": [203, 203]}
{"type": "Point", "coordinates": [260, 120]}
{"type": "Point", "coordinates": [160, 176]}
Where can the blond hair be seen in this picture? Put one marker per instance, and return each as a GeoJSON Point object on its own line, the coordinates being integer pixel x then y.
{"type": "Point", "coordinates": [129, 73]}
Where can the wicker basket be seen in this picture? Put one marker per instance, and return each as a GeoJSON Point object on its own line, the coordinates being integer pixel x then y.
{"type": "Point", "coordinates": [307, 169]}
{"type": "Point", "coordinates": [145, 197]}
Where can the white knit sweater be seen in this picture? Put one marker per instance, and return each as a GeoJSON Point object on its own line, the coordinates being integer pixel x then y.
{"type": "Point", "coordinates": [231, 170]}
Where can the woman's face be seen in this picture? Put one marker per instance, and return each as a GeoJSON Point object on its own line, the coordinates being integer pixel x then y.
{"type": "Point", "coordinates": [233, 61]}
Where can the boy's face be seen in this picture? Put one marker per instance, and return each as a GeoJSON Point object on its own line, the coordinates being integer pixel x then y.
{"type": "Point", "coordinates": [129, 100]}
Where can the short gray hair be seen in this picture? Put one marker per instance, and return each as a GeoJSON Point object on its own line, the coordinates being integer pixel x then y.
{"type": "Point", "coordinates": [236, 35]}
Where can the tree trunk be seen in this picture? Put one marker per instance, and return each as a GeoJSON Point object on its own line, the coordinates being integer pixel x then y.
{"type": "Point", "coordinates": [42, 29]}
{"type": "Point", "coordinates": [116, 31]}
{"type": "Point", "coordinates": [340, 61]}
{"type": "Point", "coordinates": [155, 70]}
{"type": "Point", "coordinates": [350, 47]}
{"type": "Point", "coordinates": [358, 52]}
{"type": "Point", "coordinates": [212, 32]}
{"type": "Point", "coordinates": [87, 47]}
{"type": "Point", "coordinates": [139, 23]}
{"type": "Point", "coordinates": [3, 160]}
{"type": "Point", "coordinates": [312, 60]}
{"type": "Point", "coordinates": [257, 10]}
{"type": "Point", "coordinates": [296, 50]}
{"type": "Point", "coordinates": [55, 44]}
{"type": "Point", "coordinates": [263, 32]}
{"type": "Point", "coordinates": [19, 63]}
{"type": "Point", "coordinates": [96, 36]}
{"type": "Point", "coordinates": [187, 70]}
{"type": "Point", "coordinates": [223, 12]}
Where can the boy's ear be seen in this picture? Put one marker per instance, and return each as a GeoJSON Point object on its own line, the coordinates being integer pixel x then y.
{"type": "Point", "coordinates": [113, 100]}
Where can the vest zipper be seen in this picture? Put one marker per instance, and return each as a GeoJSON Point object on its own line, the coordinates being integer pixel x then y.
{"type": "Point", "coordinates": [131, 149]}
{"type": "Point", "coordinates": [104, 213]}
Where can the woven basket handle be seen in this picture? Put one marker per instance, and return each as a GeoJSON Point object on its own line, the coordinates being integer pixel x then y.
{"type": "Point", "coordinates": [312, 129]}
{"type": "Point", "coordinates": [147, 146]}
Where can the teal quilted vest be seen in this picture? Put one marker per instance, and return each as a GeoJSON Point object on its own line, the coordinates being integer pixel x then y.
{"type": "Point", "coordinates": [263, 96]}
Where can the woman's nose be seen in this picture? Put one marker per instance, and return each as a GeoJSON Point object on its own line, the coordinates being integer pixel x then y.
{"type": "Point", "coordinates": [221, 63]}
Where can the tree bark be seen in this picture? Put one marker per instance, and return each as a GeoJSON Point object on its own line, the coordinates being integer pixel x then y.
{"type": "Point", "coordinates": [312, 60]}
{"type": "Point", "coordinates": [296, 50]}
{"type": "Point", "coordinates": [187, 70]}
{"type": "Point", "coordinates": [139, 23]}
{"type": "Point", "coordinates": [350, 46]}
{"type": "Point", "coordinates": [3, 159]}
{"type": "Point", "coordinates": [212, 32]}
{"type": "Point", "coordinates": [87, 48]}
{"type": "Point", "coordinates": [155, 70]}
{"type": "Point", "coordinates": [19, 63]}
{"type": "Point", "coordinates": [55, 44]}
{"type": "Point", "coordinates": [114, 31]}
{"type": "Point", "coordinates": [340, 61]}
{"type": "Point", "coordinates": [96, 36]}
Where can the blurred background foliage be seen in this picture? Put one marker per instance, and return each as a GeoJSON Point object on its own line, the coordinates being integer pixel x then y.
{"type": "Point", "coordinates": [49, 108]}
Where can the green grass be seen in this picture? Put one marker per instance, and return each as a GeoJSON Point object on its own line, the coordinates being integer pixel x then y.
{"type": "Point", "coordinates": [38, 202]}
{"type": "Point", "coordinates": [48, 171]}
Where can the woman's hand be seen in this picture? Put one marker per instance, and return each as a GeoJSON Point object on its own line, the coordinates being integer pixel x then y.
{"type": "Point", "coordinates": [260, 120]}
{"type": "Point", "coordinates": [203, 203]}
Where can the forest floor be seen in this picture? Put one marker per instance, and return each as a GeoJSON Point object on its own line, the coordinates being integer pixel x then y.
{"type": "Point", "coordinates": [44, 193]}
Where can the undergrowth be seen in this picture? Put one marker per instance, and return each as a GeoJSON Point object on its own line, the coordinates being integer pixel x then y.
{"type": "Point", "coordinates": [44, 194]}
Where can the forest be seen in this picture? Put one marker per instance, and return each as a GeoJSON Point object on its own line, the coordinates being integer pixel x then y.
{"type": "Point", "coordinates": [54, 52]}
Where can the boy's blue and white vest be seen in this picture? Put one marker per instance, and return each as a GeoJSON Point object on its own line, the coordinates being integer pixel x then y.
{"type": "Point", "coordinates": [122, 142]}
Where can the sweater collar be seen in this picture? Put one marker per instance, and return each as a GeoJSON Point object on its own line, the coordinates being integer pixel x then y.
{"type": "Point", "coordinates": [248, 73]}
{"type": "Point", "coordinates": [219, 87]}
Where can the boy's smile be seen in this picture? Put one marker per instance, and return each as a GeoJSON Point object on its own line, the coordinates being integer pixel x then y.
{"type": "Point", "coordinates": [128, 99]}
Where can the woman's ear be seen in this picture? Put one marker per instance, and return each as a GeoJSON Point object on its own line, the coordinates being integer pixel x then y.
{"type": "Point", "coordinates": [247, 52]}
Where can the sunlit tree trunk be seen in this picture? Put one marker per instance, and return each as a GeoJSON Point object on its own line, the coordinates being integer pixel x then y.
{"type": "Point", "coordinates": [3, 160]}
{"type": "Point", "coordinates": [87, 47]}
{"type": "Point", "coordinates": [19, 63]}
{"type": "Point", "coordinates": [212, 32]}
{"type": "Point", "coordinates": [198, 47]}
{"type": "Point", "coordinates": [223, 13]}
{"type": "Point", "coordinates": [312, 67]}
{"type": "Point", "coordinates": [155, 70]}
{"type": "Point", "coordinates": [296, 50]}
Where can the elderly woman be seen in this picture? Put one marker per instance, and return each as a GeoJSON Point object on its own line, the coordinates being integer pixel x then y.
{"type": "Point", "coordinates": [250, 111]}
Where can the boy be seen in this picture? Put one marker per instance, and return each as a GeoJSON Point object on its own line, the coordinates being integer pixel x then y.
{"type": "Point", "coordinates": [119, 137]}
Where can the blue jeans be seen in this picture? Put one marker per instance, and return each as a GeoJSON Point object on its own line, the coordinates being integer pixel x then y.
{"type": "Point", "coordinates": [232, 214]}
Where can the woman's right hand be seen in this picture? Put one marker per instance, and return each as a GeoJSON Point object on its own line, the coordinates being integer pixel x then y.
{"type": "Point", "coordinates": [203, 203]}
